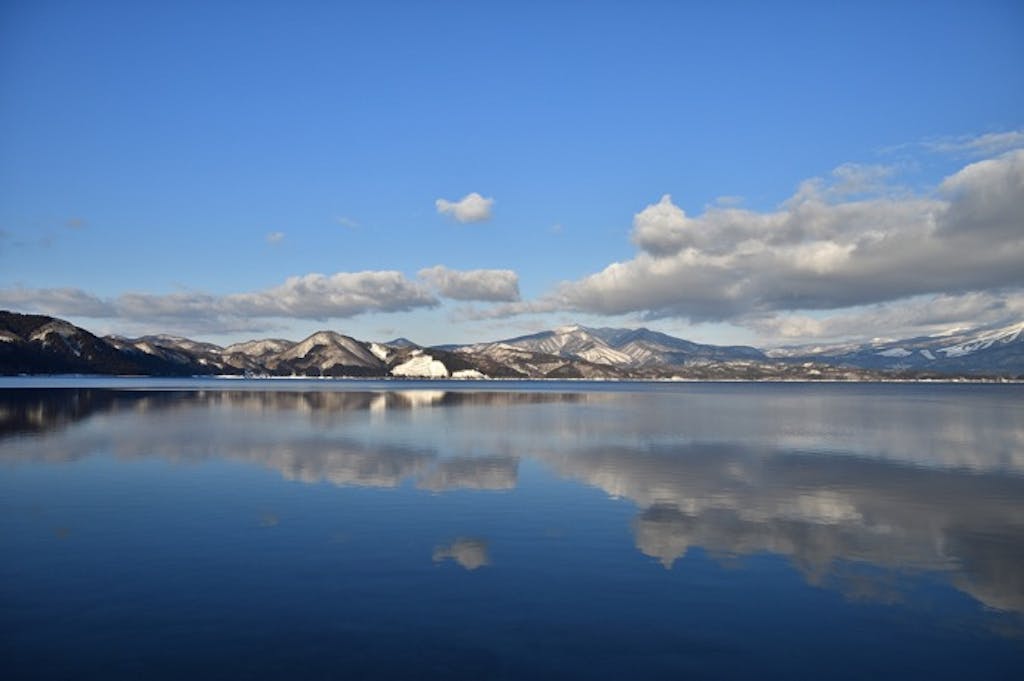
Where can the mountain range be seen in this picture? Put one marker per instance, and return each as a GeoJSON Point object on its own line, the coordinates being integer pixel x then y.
{"type": "Point", "coordinates": [37, 344]}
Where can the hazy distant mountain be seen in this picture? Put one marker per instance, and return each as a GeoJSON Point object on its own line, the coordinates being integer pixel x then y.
{"type": "Point", "coordinates": [37, 344]}
{"type": "Point", "coordinates": [401, 342]}
{"type": "Point", "coordinates": [998, 351]}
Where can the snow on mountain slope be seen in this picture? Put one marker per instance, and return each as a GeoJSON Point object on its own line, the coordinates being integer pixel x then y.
{"type": "Point", "coordinates": [571, 341]}
{"type": "Point", "coordinates": [622, 348]}
{"type": "Point", "coordinates": [327, 348]}
{"type": "Point", "coordinates": [58, 327]}
{"type": "Point", "coordinates": [260, 348]}
{"type": "Point", "coordinates": [182, 351]}
{"type": "Point", "coordinates": [421, 365]}
{"type": "Point", "coordinates": [984, 341]}
{"type": "Point", "coordinates": [999, 350]}
{"type": "Point", "coordinates": [59, 334]}
{"type": "Point", "coordinates": [524, 362]}
{"type": "Point", "coordinates": [179, 343]}
{"type": "Point", "coordinates": [895, 352]}
{"type": "Point", "coordinates": [379, 351]}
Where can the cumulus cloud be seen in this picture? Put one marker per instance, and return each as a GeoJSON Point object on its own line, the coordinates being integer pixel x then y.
{"type": "Point", "coordinates": [817, 252]}
{"type": "Point", "coordinates": [470, 208]}
{"type": "Point", "coordinates": [311, 296]}
{"type": "Point", "coordinates": [486, 285]}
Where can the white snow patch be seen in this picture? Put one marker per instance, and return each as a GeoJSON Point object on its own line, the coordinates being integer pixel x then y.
{"type": "Point", "coordinates": [928, 353]}
{"type": "Point", "coordinates": [423, 366]}
{"type": "Point", "coordinates": [62, 329]}
{"type": "Point", "coordinates": [468, 373]}
{"type": "Point", "coordinates": [379, 351]}
{"type": "Point", "coordinates": [895, 352]}
{"type": "Point", "coordinates": [957, 350]}
{"type": "Point", "coordinates": [983, 342]}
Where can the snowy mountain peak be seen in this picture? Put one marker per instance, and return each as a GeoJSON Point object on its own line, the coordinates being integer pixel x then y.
{"type": "Point", "coordinates": [326, 350]}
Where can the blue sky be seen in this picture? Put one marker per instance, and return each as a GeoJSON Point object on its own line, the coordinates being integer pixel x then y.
{"type": "Point", "coordinates": [186, 167]}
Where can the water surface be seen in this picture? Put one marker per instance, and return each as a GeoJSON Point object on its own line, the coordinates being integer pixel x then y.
{"type": "Point", "coordinates": [313, 529]}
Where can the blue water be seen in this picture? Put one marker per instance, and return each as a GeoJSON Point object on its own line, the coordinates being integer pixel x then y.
{"type": "Point", "coordinates": [342, 529]}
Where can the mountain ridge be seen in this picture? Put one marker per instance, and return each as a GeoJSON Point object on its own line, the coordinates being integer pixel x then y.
{"type": "Point", "coordinates": [39, 344]}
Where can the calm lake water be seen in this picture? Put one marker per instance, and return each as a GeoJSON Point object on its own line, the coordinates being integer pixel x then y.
{"type": "Point", "coordinates": [345, 530]}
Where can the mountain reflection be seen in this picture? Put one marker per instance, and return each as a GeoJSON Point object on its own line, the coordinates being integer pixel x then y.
{"type": "Point", "coordinates": [847, 486]}
{"type": "Point", "coordinates": [42, 410]}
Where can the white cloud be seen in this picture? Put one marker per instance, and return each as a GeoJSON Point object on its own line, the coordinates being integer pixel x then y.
{"type": "Point", "coordinates": [818, 253]}
{"type": "Point", "coordinates": [915, 316]}
{"type": "Point", "coordinates": [857, 178]}
{"type": "Point", "coordinates": [311, 296]}
{"type": "Point", "coordinates": [56, 301]}
{"type": "Point", "coordinates": [275, 237]}
{"type": "Point", "coordinates": [487, 285]}
{"type": "Point", "coordinates": [345, 294]}
{"type": "Point", "coordinates": [470, 208]}
{"type": "Point", "coordinates": [662, 227]}
{"type": "Point", "coordinates": [977, 145]}
{"type": "Point", "coordinates": [547, 304]}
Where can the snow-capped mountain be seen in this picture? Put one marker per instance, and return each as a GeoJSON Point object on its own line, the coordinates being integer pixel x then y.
{"type": "Point", "coordinates": [326, 353]}
{"type": "Point", "coordinates": [653, 347]}
{"type": "Point", "coordinates": [259, 349]}
{"type": "Point", "coordinates": [45, 345]}
{"type": "Point", "coordinates": [622, 348]}
{"type": "Point", "coordinates": [571, 342]}
{"type": "Point", "coordinates": [992, 350]}
{"type": "Point", "coordinates": [181, 351]}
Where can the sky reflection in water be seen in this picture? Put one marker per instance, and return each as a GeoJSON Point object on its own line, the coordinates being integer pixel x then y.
{"type": "Point", "coordinates": [697, 529]}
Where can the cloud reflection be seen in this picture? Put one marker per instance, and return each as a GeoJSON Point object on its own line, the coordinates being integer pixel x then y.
{"type": "Point", "coordinates": [827, 480]}
{"type": "Point", "coordinates": [467, 552]}
{"type": "Point", "coordinates": [820, 512]}
{"type": "Point", "coordinates": [493, 473]}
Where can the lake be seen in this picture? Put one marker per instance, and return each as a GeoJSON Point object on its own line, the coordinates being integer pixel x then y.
{"type": "Point", "coordinates": [506, 530]}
